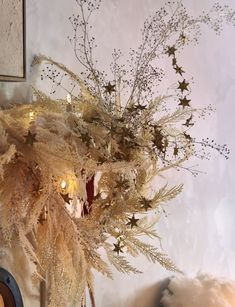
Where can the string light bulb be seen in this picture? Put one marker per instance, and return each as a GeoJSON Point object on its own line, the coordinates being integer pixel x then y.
{"type": "Point", "coordinates": [63, 184]}
{"type": "Point", "coordinates": [31, 115]}
{"type": "Point", "coordinates": [69, 99]}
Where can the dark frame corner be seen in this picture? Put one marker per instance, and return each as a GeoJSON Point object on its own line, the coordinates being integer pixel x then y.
{"type": "Point", "coordinates": [15, 78]}
{"type": "Point", "coordinates": [10, 289]}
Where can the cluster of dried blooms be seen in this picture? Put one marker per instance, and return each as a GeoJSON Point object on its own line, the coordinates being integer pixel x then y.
{"type": "Point", "coordinates": [55, 147]}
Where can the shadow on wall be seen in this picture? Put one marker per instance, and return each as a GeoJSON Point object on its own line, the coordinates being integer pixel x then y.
{"type": "Point", "coordinates": [148, 297]}
{"type": "Point", "coordinates": [12, 93]}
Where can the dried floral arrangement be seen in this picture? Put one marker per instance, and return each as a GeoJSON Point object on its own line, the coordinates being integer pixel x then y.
{"type": "Point", "coordinates": [76, 173]}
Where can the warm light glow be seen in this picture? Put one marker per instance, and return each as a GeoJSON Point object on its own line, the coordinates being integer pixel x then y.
{"type": "Point", "coordinates": [31, 115]}
{"type": "Point", "coordinates": [1, 301]}
{"type": "Point", "coordinates": [69, 98]}
{"type": "Point", "coordinates": [63, 184]}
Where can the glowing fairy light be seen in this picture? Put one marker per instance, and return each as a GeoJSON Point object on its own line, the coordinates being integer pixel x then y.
{"type": "Point", "coordinates": [69, 99]}
{"type": "Point", "coordinates": [31, 115]}
{"type": "Point", "coordinates": [63, 184]}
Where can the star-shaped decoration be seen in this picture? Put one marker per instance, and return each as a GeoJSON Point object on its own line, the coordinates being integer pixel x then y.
{"type": "Point", "coordinates": [188, 122]}
{"type": "Point", "coordinates": [66, 198]}
{"type": "Point", "coordinates": [184, 102]}
{"type": "Point", "coordinates": [171, 50]}
{"type": "Point", "coordinates": [30, 138]}
{"type": "Point", "coordinates": [174, 61]}
{"type": "Point", "coordinates": [145, 203]}
{"type": "Point", "coordinates": [132, 221]}
{"type": "Point", "coordinates": [109, 88]}
{"type": "Point", "coordinates": [183, 86]}
{"type": "Point", "coordinates": [140, 107]}
{"type": "Point", "coordinates": [178, 69]}
{"type": "Point", "coordinates": [187, 136]}
{"type": "Point", "coordinates": [158, 140]}
{"type": "Point", "coordinates": [176, 151]}
{"type": "Point", "coordinates": [133, 110]}
{"type": "Point", "coordinates": [117, 248]}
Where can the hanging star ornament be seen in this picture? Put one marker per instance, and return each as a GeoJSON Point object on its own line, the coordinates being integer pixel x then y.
{"type": "Point", "coordinates": [178, 70]}
{"type": "Point", "coordinates": [188, 122]}
{"type": "Point", "coordinates": [171, 50]}
{"type": "Point", "coordinates": [176, 151]}
{"type": "Point", "coordinates": [187, 136]}
{"type": "Point", "coordinates": [183, 86]}
{"type": "Point", "coordinates": [30, 138]}
{"type": "Point", "coordinates": [109, 88]}
{"type": "Point", "coordinates": [145, 203]}
{"type": "Point", "coordinates": [184, 102]}
{"type": "Point", "coordinates": [117, 248]}
{"type": "Point", "coordinates": [174, 62]}
{"type": "Point", "coordinates": [132, 221]}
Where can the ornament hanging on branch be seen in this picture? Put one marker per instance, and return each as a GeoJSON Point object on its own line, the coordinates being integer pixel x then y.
{"type": "Point", "coordinates": [83, 165]}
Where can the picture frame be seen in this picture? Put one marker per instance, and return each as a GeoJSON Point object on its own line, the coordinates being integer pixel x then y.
{"type": "Point", "coordinates": [9, 290]}
{"type": "Point", "coordinates": [13, 41]}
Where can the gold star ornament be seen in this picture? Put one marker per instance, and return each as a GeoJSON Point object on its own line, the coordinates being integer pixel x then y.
{"type": "Point", "coordinates": [184, 102]}
{"type": "Point", "coordinates": [176, 151]}
{"type": "Point", "coordinates": [132, 221]}
{"type": "Point", "coordinates": [117, 248]}
{"type": "Point", "coordinates": [109, 88]}
{"type": "Point", "coordinates": [183, 86]}
{"type": "Point", "coordinates": [171, 50]}
{"type": "Point", "coordinates": [145, 203]}
{"type": "Point", "coordinates": [178, 70]}
{"type": "Point", "coordinates": [188, 122]}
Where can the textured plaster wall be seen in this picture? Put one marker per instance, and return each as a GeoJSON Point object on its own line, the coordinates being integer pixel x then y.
{"type": "Point", "coordinates": [11, 39]}
{"type": "Point", "coordinates": [198, 233]}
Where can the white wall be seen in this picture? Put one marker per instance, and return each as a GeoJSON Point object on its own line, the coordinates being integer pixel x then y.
{"type": "Point", "coordinates": [199, 231]}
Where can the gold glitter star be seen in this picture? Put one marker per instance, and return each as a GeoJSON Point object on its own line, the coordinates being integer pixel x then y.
{"type": "Point", "coordinates": [171, 50]}
{"type": "Point", "coordinates": [176, 150]}
{"type": "Point", "coordinates": [109, 88]}
{"type": "Point", "coordinates": [187, 136]}
{"type": "Point", "coordinates": [117, 248]}
{"type": "Point", "coordinates": [174, 61]}
{"type": "Point", "coordinates": [30, 138]}
{"type": "Point", "coordinates": [183, 86]}
{"type": "Point", "coordinates": [178, 70]}
{"type": "Point", "coordinates": [132, 221]}
{"type": "Point", "coordinates": [188, 122]}
{"type": "Point", "coordinates": [184, 102]}
{"type": "Point", "coordinates": [145, 203]}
